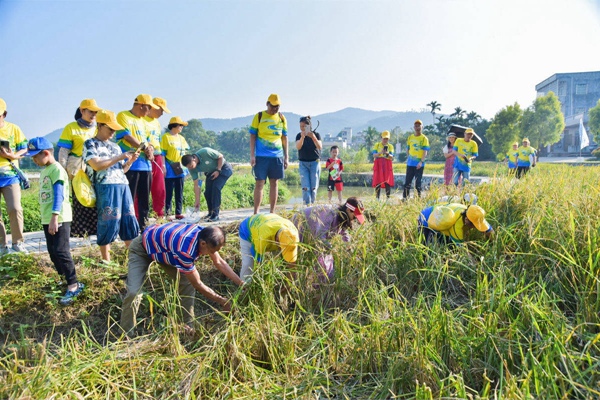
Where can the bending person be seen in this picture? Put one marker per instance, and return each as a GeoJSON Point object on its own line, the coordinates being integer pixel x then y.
{"type": "Point", "coordinates": [217, 172]}
{"type": "Point", "coordinates": [175, 247]}
{"type": "Point", "coordinates": [262, 233]}
{"type": "Point", "coordinates": [448, 223]}
{"type": "Point", "coordinates": [319, 224]}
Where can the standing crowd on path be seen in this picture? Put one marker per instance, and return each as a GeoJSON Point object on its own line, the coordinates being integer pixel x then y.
{"type": "Point", "coordinates": [111, 169]}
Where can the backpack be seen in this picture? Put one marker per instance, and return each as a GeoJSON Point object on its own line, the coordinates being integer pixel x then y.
{"type": "Point", "coordinates": [84, 191]}
{"type": "Point", "coordinates": [260, 116]}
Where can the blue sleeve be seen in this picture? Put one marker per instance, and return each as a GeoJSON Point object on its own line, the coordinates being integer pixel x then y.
{"type": "Point", "coordinates": [59, 196]}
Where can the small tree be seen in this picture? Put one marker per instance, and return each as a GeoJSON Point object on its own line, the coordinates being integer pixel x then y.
{"type": "Point", "coordinates": [594, 123]}
{"type": "Point", "coordinates": [543, 121]}
{"type": "Point", "coordinates": [505, 128]}
{"type": "Point", "coordinates": [372, 136]}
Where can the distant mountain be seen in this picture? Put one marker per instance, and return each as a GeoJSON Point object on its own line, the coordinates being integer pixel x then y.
{"type": "Point", "coordinates": [329, 123]}
{"type": "Point", "coordinates": [332, 123]}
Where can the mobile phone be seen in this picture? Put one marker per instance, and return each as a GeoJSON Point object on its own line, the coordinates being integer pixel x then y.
{"type": "Point", "coordinates": [385, 148]}
{"type": "Point", "coordinates": [5, 144]}
{"type": "Point", "coordinates": [141, 148]}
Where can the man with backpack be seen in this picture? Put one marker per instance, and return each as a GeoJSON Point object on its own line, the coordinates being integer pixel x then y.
{"type": "Point", "coordinates": [268, 151]}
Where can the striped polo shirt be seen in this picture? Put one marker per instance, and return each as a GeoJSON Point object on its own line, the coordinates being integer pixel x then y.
{"type": "Point", "coordinates": [174, 244]}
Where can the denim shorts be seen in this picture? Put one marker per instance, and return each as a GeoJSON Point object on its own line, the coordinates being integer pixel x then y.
{"type": "Point", "coordinates": [268, 167]}
{"type": "Point", "coordinates": [116, 215]}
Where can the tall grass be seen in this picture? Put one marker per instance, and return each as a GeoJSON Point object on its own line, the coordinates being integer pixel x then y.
{"type": "Point", "coordinates": [514, 317]}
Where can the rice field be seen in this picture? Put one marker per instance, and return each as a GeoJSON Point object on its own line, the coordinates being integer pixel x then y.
{"type": "Point", "coordinates": [513, 317]}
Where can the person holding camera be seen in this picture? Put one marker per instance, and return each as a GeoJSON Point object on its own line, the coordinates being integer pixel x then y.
{"type": "Point", "coordinates": [383, 170]}
{"type": "Point", "coordinates": [308, 144]}
{"type": "Point", "coordinates": [418, 148]}
{"type": "Point", "coordinates": [137, 134]}
{"type": "Point", "coordinates": [13, 145]}
{"type": "Point", "coordinates": [106, 167]}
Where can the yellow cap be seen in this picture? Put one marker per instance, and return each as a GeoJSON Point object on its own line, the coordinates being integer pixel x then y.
{"type": "Point", "coordinates": [418, 122]}
{"type": "Point", "coordinates": [2, 106]}
{"type": "Point", "coordinates": [476, 215]}
{"type": "Point", "coordinates": [274, 100]}
{"type": "Point", "coordinates": [162, 103]}
{"type": "Point", "coordinates": [89, 104]}
{"type": "Point", "coordinates": [469, 130]}
{"type": "Point", "coordinates": [515, 143]}
{"type": "Point", "coordinates": [385, 134]}
{"type": "Point", "coordinates": [288, 241]}
{"type": "Point", "coordinates": [177, 120]}
{"type": "Point", "coordinates": [108, 118]}
{"type": "Point", "coordinates": [147, 100]}
{"type": "Point", "coordinates": [525, 140]}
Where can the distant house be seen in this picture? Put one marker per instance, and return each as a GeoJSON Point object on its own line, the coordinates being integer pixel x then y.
{"type": "Point", "coordinates": [577, 93]}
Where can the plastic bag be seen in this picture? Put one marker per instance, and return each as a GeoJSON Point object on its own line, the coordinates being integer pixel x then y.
{"type": "Point", "coordinates": [84, 191]}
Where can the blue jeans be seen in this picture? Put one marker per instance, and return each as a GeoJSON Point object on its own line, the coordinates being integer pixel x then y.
{"type": "Point", "coordinates": [456, 175]}
{"type": "Point", "coordinates": [310, 172]}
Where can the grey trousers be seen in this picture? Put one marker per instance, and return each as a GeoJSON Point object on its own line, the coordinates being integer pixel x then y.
{"type": "Point", "coordinates": [137, 269]}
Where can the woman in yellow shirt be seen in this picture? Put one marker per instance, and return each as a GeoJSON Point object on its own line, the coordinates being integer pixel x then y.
{"type": "Point", "coordinates": [70, 144]}
{"type": "Point", "coordinates": [174, 145]}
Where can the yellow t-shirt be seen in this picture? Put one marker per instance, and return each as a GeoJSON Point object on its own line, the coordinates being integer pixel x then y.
{"type": "Point", "coordinates": [155, 134]}
{"type": "Point", "coordinates": [138, 128]}
{"type": "Point", "coordinates": [417, 145]}
{"type": "Point", "coordinates": [378, 148]}
{"type": "Point", "coordinates": [17, 140]}
{"type": "Point", "coordinates": [260, 230]}
{"type": "Point", "coordinates": [73, 137]}
{"type": "Point", "coordinates": [268, 133]}
{"type": "Point", "coordinates": [174, 146]}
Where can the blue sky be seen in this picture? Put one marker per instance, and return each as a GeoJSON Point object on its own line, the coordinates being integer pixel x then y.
{"type": "Point", "coordinates": [222, 58]}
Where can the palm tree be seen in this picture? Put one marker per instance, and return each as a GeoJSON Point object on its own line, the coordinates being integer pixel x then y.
{"type": "Point", "coordinates": [435, 106]}
{"type": "Point", "coordinates": [473, 118]}
{"type": "Point", "coordinates": [371, 137]}
{"type": "Point", "coordinates": [458, 113]}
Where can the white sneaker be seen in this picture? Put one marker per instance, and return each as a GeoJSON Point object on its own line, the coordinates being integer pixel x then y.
{"type": "Point", "coordinates": [4, 250]}
{"type": "Point", "coordinates": [19, 247]}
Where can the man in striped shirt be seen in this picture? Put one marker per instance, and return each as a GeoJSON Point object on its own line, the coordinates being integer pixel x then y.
{"type": "Point", "coordinates": [175, 247]}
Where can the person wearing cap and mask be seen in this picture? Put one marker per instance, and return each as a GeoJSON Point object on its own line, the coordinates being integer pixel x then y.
{"type": "Point", "coordinates": [449, 155]}
{"type": "Point", "coordinates": [136, 135]}
{"type": "Point", "coordinates": [70, 157]}
{"type": "Point", "coordinates": [212, 164]}
{"type": "Point", "coordinates": [526, 158]}
{"type": "Point", "coordinates": [264, 233]}
{"type": "Point", "coordinates": [268, 151]}
{"type": "Point", "coordinates": [174, 145]}
{"type": "Point", "coordinates": [417, 149]}
{"type": "Point", "coordinates": [10, 187]}
{"type": "Point", "coordinates": [319, 224]}
{"type": "Point", "coordinates": [512, 158]}
{"type": "Point", "coordinates": [157, 188]}
{"type": "Point", "coordinates": [466, 150]}
{"type": "Point", "coordinates": [383, 170]}
{"type": "Point", "coordinates": [56, 213]}
{"type": "Point", "coordinates": [448, 223]}
{"type": "Point", "coordinates": [106, 168]}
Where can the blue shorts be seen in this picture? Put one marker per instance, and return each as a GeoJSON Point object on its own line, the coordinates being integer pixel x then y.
{"type": "Point", "coordinates": [116, 215]}
{"type": "Point", "coordinates": [268, 167]}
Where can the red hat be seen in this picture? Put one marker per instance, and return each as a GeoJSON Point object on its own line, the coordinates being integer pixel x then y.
{"type": "Point", "coordinates": [356, 206]}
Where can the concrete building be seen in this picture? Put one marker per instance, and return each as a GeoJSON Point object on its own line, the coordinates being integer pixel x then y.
{"type": "Point", "coordinates": [577, 93]}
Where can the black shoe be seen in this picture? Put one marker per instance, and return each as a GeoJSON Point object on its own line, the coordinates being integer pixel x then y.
{"type": "Point", "coordinates": [214, 218]}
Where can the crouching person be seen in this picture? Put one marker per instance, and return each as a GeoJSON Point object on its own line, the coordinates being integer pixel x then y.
{"type": "Point", "coordinates": [263, 233]}
{"type": "Point", "coordinates": [175, 247]}
{"type": "Point", "coordinates": [56, 214]}
{"type": "Point", "coordinates": [448, 223]}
